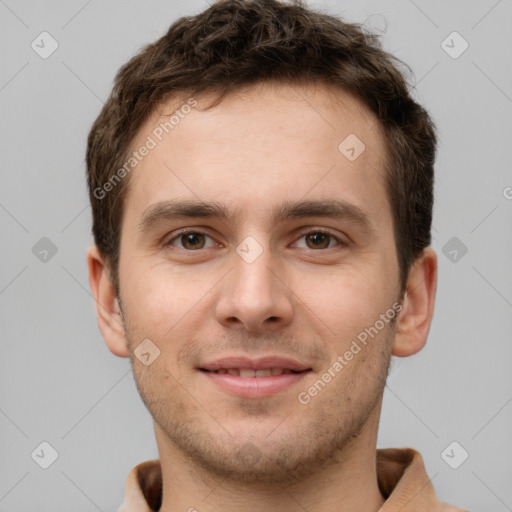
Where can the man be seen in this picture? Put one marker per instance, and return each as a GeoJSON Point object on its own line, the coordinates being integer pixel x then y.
{"type": "Point", "coordinates": [261, 187]}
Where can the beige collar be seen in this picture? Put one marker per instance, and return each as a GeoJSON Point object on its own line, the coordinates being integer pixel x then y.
{"type": "Point", "coordinates": [401, 475]}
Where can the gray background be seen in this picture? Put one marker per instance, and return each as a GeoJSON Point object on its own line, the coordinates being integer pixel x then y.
{"type": "Point", "coordinates": [60, 384]}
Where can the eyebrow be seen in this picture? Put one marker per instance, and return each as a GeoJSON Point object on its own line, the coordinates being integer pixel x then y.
{"type": "Point", "coordinates": [166, 211]}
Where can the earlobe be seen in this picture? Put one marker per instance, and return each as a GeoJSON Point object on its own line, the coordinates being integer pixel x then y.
{"type": "Point", "coordinates": [414, 321]}
{"type": "Point", "coordinates": [108, 311]}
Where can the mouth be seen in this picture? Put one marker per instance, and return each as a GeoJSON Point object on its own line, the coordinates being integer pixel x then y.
{"type": "Point", "coordinates": [248, 373]}
{"type": "Point", "coordinates": [254, 378]}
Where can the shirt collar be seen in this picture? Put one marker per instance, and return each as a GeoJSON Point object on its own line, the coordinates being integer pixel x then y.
{"type": "Point", "coordinates": [401, 476]}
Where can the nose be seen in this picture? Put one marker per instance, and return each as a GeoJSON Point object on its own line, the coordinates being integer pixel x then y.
{"type": "Point", "coordinates": [254, 296]}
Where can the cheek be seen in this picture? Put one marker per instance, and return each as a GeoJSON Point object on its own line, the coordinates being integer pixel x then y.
{"type": "Point", "coordinates": [342, 303]}
{"type": "Point", "coordinates": [161, 301]}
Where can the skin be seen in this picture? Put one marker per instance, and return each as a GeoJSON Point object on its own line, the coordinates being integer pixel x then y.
{"type": "Point", "coordinates": [254, 151]}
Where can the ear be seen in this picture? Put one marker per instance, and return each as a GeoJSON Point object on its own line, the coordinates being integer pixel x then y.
{"type": "Point", "coordinates": [108, 311]}
{"type": "Point", "coordinates": [413, 323]}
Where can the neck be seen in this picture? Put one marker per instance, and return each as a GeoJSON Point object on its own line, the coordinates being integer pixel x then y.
{"type": "Point", "coordinates": [348, 483]}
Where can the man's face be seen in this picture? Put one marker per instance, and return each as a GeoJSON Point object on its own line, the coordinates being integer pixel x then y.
{"type": "Point", "coordinates": [272, 285]}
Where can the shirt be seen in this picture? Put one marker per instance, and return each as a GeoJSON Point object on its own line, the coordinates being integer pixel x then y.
{"type": "Point", "coordinates": [401, 476]}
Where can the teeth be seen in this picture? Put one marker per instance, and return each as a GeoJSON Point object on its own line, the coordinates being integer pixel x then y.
{"type": "Point", "coordinates": [263, 373]}
{"type": "Point", "coordinates": [248, 373]}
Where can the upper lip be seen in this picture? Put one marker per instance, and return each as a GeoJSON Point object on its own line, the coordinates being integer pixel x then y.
{"type": "Point", "coordinates": [262, 363]}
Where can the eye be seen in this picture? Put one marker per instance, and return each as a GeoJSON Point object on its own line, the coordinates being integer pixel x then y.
{"type": "Point", "coordinates": [195, 240]}
{"type": "Point", "coordinates": [191, 241]}
{"type": "Point", "coordinates": [320, 240]}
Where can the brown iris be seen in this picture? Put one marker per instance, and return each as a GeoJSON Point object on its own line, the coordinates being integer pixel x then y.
{"type": "Point", "coordinates": [193, 241]}
{"type": "Point", "coordinates": [319, 240]}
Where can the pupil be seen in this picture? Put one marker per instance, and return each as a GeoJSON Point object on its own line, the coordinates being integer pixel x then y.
{"type": "Point", "coordinates": [191, 239]}
{"type": "Point", "coordinates": [318, 238]}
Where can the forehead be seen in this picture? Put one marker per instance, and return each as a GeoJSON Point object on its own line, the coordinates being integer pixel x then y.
{"type": "Point", "coordinates": [259, 146]}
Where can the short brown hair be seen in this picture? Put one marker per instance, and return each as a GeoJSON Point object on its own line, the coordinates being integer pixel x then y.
{"type": "Point", "coordinates": [235, 43]}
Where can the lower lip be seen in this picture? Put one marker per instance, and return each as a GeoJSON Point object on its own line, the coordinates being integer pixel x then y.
{"type": "Point", "coordinates": [254, 387]}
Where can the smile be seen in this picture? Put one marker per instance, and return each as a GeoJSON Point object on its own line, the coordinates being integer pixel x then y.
{"type": "Point", "coordinates": [248, 383]}
{"type": "Point", "coordinates": [249, 373]}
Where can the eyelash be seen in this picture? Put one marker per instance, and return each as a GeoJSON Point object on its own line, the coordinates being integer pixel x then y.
{"type": "Point", "coordinates": [340, 243]}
